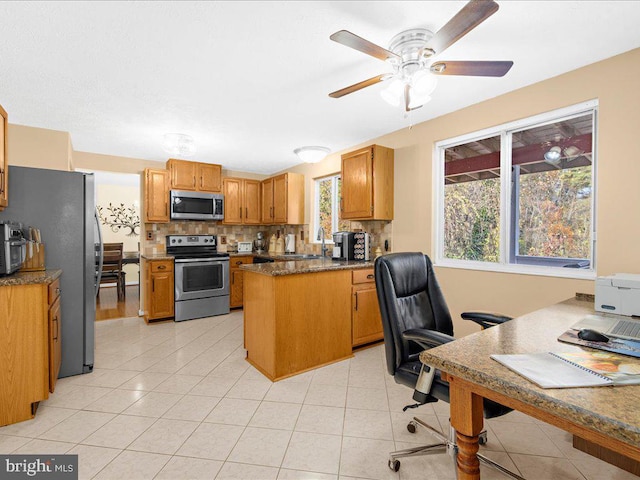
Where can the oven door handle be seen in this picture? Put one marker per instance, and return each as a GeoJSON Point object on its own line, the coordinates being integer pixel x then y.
{"type": "Point", "coordinates": [201, 260]}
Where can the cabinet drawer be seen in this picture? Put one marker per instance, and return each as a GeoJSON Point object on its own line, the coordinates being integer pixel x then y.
{"type": "Point", "coordinates": [235, 262]}
{"type": "Point", "coordinates": [162, 266]}
{"type": "Point", "coordinates": [362, 276]}
{"type": "Point", "coordinates": [54, 290]}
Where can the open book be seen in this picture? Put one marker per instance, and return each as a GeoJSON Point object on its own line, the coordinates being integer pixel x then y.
{"type": "Point", "coordinates": [576, 369]}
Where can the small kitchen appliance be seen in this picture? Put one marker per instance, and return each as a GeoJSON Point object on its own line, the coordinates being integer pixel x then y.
{"type": "Point", "coordinates": [201, 276]}
{"type": "Point", "coordinates": [245, 247]}
{"type": "Point", "coordinates": [259, 242]}
{"type": "Point", "coordinates": [12, 248]}
{"type": "Point", "coordinates": [290, 243]}
{"type": "Point", "coordinates": [351, 246]}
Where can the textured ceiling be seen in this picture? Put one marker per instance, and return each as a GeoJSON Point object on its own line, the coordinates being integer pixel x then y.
{"type": "Point", "coordinates": [250, 80]}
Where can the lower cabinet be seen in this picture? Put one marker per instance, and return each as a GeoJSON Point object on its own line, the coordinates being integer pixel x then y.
{"type": "Point", "coordinates": [366, 323]}
{"type": "Point", "coordinates": [55, 333]}
{"type": "Point", "coordinates": [236, 276]}
{"type": "Point", "coordinates": [159, 289]}
{"type": "Point", "coordinates": [30, 346]}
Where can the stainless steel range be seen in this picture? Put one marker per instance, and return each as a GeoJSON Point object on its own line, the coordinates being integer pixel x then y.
{"type": "Point", "coordinates": [201, 276]}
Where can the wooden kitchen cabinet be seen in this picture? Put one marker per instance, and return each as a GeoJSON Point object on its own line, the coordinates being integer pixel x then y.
{"type": "Point", "coordinates": [241, 201]}
{"type": "Point", "coordinates": [366, 322]}
{"type": "Point", "coordinates": [159, 288]}
{"type": "Point", "coordinates": [195, 176]}
{"type": "Point", "coordinates": [156, 196]}
{"type": "Point", "coordinates": [237, 282]}
{"type": "Point", "coordinates": [4, 163]}
{"type": "Point", "coordinates": [55, 333]}
{"type": "Point", "coordinates": [367, 184]}
{"type": "Point", "coordinates": [30, 344]}
{"type": "Point", "coordinates": [283, 199]}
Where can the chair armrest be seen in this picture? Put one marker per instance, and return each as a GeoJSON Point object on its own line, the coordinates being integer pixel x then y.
{"type": "Point", "coordinates": [485, 320]}
{"type": "Point", "coordinates": [427, 338]}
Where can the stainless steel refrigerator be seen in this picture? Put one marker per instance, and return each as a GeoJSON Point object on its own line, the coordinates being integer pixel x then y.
{"type": "Point", "coordinates": [62, 205]}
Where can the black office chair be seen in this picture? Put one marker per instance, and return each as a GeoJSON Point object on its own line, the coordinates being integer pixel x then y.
{"type": "Point", "coordinates": [415, 317]}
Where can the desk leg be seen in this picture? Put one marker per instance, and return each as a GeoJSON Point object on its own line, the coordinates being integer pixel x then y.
{"type": "Point", "coordinates": [466, 419]}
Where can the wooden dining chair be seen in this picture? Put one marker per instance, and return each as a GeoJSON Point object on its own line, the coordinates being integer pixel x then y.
{"type": "Point", "coordinates": [112, 271]}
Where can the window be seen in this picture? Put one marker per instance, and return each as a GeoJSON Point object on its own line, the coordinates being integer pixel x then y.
{"type": "Point", "coordinates": [520, 197]}
{"type": "Point", "coordinates": [327, 207]}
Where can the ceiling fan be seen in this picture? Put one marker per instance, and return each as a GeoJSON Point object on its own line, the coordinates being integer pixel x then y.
{"type": "Point", "coordinates": [411, 55]}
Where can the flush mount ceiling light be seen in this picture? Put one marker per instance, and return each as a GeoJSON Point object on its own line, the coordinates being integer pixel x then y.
{"type": "Point", "coordinates": [553, 155]}
{"type": "Point", "coordinates": [178, 144]}
{"type": "Point", "coordinates": [311, 154]}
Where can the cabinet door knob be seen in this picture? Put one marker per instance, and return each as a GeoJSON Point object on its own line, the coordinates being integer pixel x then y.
{"type": "Point", "coordinates": [162, 267]}
{"type": "Point", "coordinates": [370, 276]}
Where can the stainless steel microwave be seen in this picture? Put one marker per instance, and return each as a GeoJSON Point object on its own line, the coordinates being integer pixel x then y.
{"type": "Point", "coordinates": [196, 205]}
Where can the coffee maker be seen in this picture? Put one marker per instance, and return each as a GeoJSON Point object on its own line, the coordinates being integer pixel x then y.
{"type": "Point", "coordinates": [259, 243]}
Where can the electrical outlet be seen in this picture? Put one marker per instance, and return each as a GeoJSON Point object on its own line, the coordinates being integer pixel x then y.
{"type": "Point", "coordinates": [223, 239]}
{"type": "Point", "coordinates": [149, 235]}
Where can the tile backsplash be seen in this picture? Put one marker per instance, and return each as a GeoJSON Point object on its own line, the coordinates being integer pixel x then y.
{"type": "Point", "coordinates": [305, 240]}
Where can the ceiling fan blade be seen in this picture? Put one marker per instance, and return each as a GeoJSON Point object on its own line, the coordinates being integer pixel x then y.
{"type": "Point", "coordinates": [365, 46]}
{"type": "Point", "coordinates": [472, 14]}
{"type": "Point", "coordinates": [472, 68]}
{"type": "Point", "coordinates": [357, 86]}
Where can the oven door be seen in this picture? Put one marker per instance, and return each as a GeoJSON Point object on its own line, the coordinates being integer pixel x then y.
{"type": "Point", "coordinates": [201, 278]}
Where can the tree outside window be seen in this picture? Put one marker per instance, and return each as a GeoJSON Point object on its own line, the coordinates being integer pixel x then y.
{"type": "Point", "coordinates": [327, 211]}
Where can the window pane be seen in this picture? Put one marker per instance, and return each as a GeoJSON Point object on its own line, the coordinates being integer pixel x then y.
{"type": "Point", "coordinates": [325, 200]}
{"type": "Point", "coordinates": [552, 175]}
{"type": "Point", "coordinates": [472, 201]}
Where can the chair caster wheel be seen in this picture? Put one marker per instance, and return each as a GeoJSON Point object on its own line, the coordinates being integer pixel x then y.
{"type": "Point", "coordinates": [394, 465]}
{"type": "Point", "coordinates": [482, 438]}
{"type": "Point", "coordinates": [411, 427]}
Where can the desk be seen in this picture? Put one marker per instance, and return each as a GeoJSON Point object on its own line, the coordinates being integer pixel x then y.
{"type": "Point", "coordinates": [606, 416]}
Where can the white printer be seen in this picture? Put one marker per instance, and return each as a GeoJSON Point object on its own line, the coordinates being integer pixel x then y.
{"type": "Point", "coordinates": [619, 293]}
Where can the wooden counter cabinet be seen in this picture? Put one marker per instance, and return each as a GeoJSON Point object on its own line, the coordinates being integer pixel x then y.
{"type": "Point", "coordinates": [156, 196]}
{"type": "Point", "coordinates": [195, 176]}
{"type": "Point", "coordinates": [4, 170]}
{"type": "Point", "coordinates": [241, 201]}
{"type": "Point", "coordinates": [237, 280]}
{"type": "Point", "coordinates": [30, 343]}
{"type": "Point", "coordinates": [367, 184]}
{"type": "Point", "coordinates": [366, 322]}
{"type": "Point", "coordinates": [159, 289]}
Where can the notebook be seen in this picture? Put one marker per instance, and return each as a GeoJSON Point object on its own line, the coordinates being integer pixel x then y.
{"type": "Point", "coordinates": [577, 369]}
{"type": "Point", "coordinates": [614, 327]}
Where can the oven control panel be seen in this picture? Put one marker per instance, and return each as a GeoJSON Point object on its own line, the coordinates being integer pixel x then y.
{"type": "Point", "coordinates": [191, 240]}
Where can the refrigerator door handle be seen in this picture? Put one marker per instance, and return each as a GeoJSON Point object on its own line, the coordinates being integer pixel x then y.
{"type": "Point", "coordinates": [101, 258]}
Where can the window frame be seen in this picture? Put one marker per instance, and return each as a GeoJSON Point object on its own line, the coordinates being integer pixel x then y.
{"type": "Point", "coordinates": [506, 206]}
{"type": "Point", "coordinates": [335, 207]}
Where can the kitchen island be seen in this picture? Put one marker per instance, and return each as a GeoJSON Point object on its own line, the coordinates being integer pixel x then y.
{"type": "Point", "coordinates": [298, 314]}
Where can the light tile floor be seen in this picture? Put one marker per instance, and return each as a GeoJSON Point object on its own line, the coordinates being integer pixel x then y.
{"type": "Point", "coordinates": [178, 401]}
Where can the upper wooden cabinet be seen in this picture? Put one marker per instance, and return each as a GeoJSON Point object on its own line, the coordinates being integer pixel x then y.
{"type": "Point", "coordinates": [367, 184]}
{"type": "Point", "coordinates": [195, 176]}
{"type": "Point", "coordinates": [241, 201]}
{"type": "Point", "coordinates": [4, 164]}
{"type": "Point", "coordinates": [283, 199]}
{"type": "Point", "coordinates": [156, 196]}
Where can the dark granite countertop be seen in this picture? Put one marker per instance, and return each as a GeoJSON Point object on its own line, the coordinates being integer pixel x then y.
{"type": "Point", "coordinates": [612, 411]}
{"type": "Point", "coordinates": [30, 278]}
{"type": "Point", "coordinates": [297, 266]}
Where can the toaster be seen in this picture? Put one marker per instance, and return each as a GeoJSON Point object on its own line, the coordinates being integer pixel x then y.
{"type": "Point", "coordinates": [246, 247]}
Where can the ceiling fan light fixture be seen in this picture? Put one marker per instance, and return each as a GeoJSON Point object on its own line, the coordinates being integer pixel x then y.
{"type": "Point", "coordinates": [416, 100]}
{"type": "Point", "coordinates": [423, 83]}
{"type": "Point", "coordinates": [553, 155]}
{"type": "Point", "coordinates": [178, 144]}
{"type": "Point", "coordinates": [393, 93]}
{"type": "Point", "coordinates": [311, 154]}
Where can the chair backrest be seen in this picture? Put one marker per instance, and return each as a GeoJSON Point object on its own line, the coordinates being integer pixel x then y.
{"type": "Point", "coordinates": [409, 297]}
{"type": "Point", "coordinates": [112, 258]}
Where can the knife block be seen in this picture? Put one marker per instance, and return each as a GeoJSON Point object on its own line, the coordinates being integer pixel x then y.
{"type": "Point", "coordinates": [35, 263]}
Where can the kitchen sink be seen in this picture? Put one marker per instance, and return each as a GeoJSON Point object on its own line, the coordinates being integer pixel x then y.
{"type": "Point", "coordinates": [303, 257]}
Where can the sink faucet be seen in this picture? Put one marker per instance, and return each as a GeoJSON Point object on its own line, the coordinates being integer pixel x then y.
{"type": "Point", "coordinates": [321, 237]}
